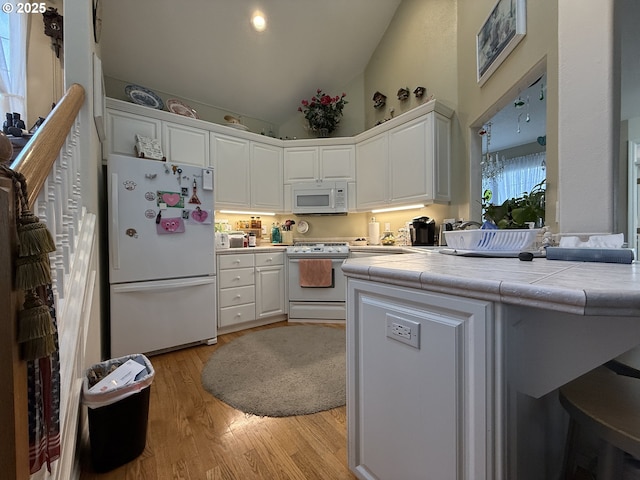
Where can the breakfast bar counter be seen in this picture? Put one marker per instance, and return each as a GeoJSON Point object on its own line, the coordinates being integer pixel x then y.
{"type": "Point", "coordinates": [454, 362]}
{"type": "Point", "coordinates": [584, 288]}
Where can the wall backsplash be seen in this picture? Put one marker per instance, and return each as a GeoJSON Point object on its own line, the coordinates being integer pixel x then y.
{"type": "Point", "coordinates": [341, 227]}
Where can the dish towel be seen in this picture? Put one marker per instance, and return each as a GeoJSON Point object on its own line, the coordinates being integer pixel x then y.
{"type": "Point", "coordinates": [316, 272]}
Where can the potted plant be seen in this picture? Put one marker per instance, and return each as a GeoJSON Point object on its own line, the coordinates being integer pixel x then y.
{"type": "Point", "coordinates": [517, 212]}
{"type": "Point", "coordinates": [323, 112]}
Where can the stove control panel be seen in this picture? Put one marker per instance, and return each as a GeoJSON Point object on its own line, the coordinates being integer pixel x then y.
{"type": "Point", "coordinates": [319, 248]}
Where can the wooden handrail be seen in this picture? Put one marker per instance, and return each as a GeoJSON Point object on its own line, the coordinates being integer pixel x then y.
{"type": "Point", "coordinates": [38, 155]}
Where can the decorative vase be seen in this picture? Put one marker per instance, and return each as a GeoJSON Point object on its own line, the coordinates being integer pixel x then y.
{"type": "Point", "coordinates": [323, 132]}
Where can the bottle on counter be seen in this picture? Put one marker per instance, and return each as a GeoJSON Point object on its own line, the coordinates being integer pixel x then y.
{"type": "Point", "coordinates": [252, 239]}
{"type": "Point", "coordinates": [387, 236]}
{"type": "Point", "coordinates": [276, 237]}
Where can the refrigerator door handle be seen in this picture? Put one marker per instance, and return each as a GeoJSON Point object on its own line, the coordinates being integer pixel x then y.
{"type": "Point", "coordinates": [153, 287]}
{"type": "Point", "coordinates": [115, 225]}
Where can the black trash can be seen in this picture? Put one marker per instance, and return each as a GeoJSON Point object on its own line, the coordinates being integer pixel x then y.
{"type": "Point", "coordinates": [118, 412]}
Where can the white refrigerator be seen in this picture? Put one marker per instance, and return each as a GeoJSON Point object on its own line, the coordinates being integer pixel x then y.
{"type": "Point", "coordinates": [161, 255]}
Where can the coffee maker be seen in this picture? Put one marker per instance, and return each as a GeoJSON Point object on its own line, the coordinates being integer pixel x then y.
{"type": "Point", "coordinates": [423, 231]}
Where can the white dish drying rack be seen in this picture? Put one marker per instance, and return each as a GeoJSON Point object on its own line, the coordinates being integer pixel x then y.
{"type": "Point", "coordinates": [491, 241]}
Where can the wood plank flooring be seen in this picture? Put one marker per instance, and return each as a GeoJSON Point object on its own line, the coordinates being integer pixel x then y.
{"type": "Point", "coordinates": [194, 436]}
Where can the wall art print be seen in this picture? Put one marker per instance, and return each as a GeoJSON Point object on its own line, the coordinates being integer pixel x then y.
{"type": "Point", "coordinates": [505, 27]}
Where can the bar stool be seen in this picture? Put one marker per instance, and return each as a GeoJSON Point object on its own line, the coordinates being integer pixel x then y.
{"type": "Point", "coordinates": [607, 405]}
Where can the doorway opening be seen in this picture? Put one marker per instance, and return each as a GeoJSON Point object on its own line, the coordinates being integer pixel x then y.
{"type": "Point", "coordinates": [509, 150]}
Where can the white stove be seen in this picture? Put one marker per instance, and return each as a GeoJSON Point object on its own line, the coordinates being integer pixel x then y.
{"type": "Point", "coordinates": [319, 250]}
{"type": "Point", "coordinates": [324, 302]}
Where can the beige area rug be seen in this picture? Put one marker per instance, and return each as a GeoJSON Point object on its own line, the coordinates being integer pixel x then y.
{"type": "Point", "coordinates": [279, 372]}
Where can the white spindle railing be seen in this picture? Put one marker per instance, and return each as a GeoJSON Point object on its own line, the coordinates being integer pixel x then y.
{"type": "Point", "coordinates": [60, 207]}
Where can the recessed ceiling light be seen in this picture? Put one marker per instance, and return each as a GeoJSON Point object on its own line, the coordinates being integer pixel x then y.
{"type": "Point", "coordinates": [258, 21]}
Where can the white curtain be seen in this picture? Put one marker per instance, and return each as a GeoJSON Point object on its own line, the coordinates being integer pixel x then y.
{"type": "Point", "coordinates": [520, 175]}
{"type": "Point", "coordinates": [13, 65]}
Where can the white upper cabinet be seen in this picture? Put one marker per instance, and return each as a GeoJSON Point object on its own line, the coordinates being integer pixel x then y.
{"type": "Point", "coordinates": [122, 128]}
{"type": "Point", "coordinates": [247, 174]}
{"type": "Point", "coordinates": [301, 164]}
{"type": "Point", "coordinates": [183, 144]}
{"type": "Point", "coordinates": [230, 158]}
{"type": "Point", "coordinates": [411, 163]}
{"type": "Point", "coordinates": [406, 164]}
{"type": "Point", "coordinates": [266, 177]}
{"type": "Point", "coordinates": [405, 160]}
{"type": "Point", "coordinates": [372, 167]}
{"type": "Point", "coordinates": [318, 163]}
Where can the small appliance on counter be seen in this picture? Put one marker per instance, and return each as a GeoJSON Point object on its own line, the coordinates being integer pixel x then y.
{"type": "Point", "coordinates": [222, 240]}
{"type": "Point", "coordinates": [423, 231]}
{"type": "Point", "coordinates": [236, 239]}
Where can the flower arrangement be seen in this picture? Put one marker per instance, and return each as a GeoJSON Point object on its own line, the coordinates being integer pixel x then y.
{"type": "Point", "coordinates": [323, 111]}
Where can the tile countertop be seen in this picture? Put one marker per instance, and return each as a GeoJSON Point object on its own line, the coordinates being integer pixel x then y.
{"type": "Point", "coordinates": [260, 249]}
{"type": "Point", "coordinates": [584, 288]}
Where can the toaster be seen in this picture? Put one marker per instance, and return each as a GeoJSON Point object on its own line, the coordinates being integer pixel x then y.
{"type": "Point", "coordinates": [222, 240]}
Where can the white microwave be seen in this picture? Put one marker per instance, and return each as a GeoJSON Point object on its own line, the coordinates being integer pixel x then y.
{"type": "Point", "coordinates": [320, 198]}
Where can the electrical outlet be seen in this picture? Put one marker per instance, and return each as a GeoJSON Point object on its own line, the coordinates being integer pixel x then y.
{"type": "Point", "coordinates": [403, 330]}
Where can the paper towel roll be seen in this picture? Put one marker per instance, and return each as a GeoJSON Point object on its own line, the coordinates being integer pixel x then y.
{"type": "Point", "coordinates": [374, 233]}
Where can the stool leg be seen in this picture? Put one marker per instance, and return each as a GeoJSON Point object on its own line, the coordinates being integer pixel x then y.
{"type": "Point", "coordinates": [569, 463]}
{"type": "Point", "coordinates": [610, 462]}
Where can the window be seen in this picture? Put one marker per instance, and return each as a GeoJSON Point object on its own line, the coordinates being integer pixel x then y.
{"type": "Point", "coordinates": [13, 63]}
{"type": "Point", "coordinates": [518, 175]}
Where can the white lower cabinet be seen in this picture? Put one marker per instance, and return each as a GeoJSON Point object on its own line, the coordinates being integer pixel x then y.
{"type": "Point", "coordinates": [269, 291]}
{"type": "Point", "coordinates": [250, 290]}
{"type": "Point", "coordinates": [419, 370]}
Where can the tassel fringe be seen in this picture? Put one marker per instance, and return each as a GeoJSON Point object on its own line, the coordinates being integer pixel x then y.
{"type": "Point", "coordinates": [34, 238]}
{"type": "Point", "coordinates": [36, 329]}
{"type": "Point", "coordinates": [34, 321]}
{"type": "Point", "coordinates": [42, 347]}
{"type": "Point", "coordinates": [33, 271]}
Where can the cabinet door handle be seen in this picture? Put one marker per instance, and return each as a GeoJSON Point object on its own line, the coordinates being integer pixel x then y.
{"type": "Point", "coordinates": [238, 277]}
{"type": "Point", "coordinates": [238, 296]}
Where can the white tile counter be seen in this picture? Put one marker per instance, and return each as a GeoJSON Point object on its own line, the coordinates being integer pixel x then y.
{"type": "Point", "coordinates": [584, 288]}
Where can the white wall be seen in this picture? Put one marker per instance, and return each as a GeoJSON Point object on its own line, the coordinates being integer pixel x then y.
{"type": "Point", "coordinates": [79, 48]}
{"type": "Point", "coordinates": [588, 115]}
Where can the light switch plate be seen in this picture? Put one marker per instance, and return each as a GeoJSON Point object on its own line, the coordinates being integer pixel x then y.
{"type": "Point", "coordinates": [207, 179]}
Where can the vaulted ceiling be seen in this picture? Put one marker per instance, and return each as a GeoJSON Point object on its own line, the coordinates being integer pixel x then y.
{"type": "Point", "coordinates": [206, 50]}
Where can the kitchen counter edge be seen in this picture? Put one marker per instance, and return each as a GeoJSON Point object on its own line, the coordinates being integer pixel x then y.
{"type": "Point", "coordinates": [582, 288]}
{"type": "Point", "coordinates": [260, 249]}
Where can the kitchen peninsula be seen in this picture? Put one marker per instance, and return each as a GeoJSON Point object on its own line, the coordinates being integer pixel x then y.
{"type": "Point", "coordinates": [453, 362]}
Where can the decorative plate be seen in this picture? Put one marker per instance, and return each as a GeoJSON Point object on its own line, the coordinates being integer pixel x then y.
{"type": "Point", "coordinates": [143, 96]}
{"type": "Point", "coordinates": [176, 106]}
{"type": "Point", "coordinates": [303, 227]}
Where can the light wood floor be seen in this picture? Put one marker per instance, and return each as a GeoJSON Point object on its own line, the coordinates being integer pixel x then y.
{"type": "Point", "coordinates": [192, 435]}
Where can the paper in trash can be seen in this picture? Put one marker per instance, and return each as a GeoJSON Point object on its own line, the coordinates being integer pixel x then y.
{"type": "Point", "coordinates": [127, 383]}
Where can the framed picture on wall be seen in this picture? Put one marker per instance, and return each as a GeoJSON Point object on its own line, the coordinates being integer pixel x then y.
{"type": "Point", "coordinates": [503, 29]}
